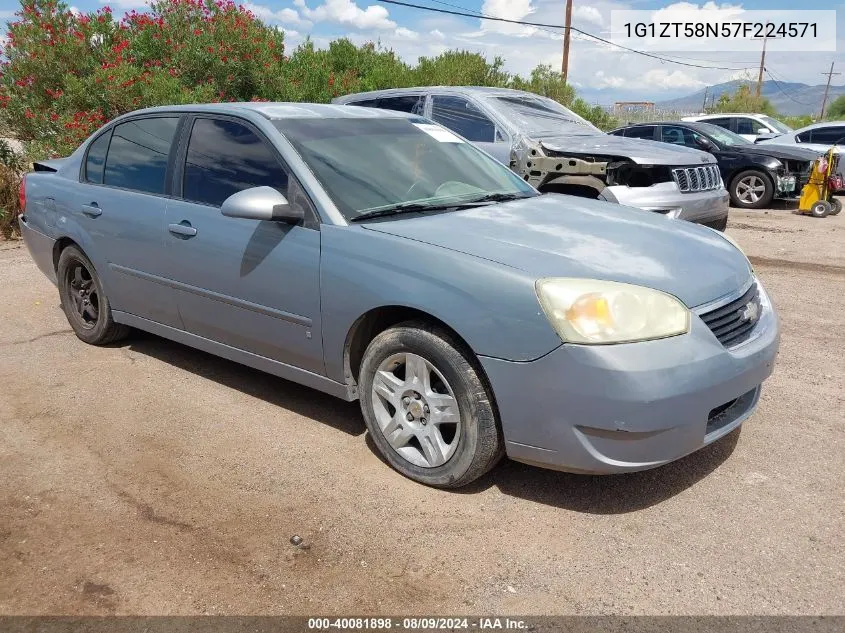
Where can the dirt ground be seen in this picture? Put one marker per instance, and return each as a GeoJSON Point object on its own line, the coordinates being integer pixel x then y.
{"type": "Point", "coordinates": [149, 478]}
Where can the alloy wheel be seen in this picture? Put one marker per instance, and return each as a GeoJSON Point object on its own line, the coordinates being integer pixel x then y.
{"type": "Point", "coordinates": [750, 189]}
{"type": "Point", "coordinates": [416, 410]}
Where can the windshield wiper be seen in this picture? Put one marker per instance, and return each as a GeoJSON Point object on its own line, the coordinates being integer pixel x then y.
{"type": "Point", "coordinates": [417, 207]}
{"type": "Point", "coordinates": [405, 207]}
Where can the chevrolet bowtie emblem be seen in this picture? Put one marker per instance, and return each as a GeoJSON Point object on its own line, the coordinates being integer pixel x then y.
{"type": "Point", "coordinates": [750, 312]}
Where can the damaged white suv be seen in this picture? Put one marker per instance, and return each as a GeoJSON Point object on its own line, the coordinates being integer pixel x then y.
{"type": "Point", "coordinates": [556, 150]}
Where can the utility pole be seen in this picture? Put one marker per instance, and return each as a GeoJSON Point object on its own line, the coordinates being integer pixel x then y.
{"type": "Point", "coordinates": [762, 66]}
{"type": "Point", "coordinates": [704, 103]}
{"type": "Point", "coordinates": [829, 74]}
{"type": "Point", "coordinates": [564, 70]}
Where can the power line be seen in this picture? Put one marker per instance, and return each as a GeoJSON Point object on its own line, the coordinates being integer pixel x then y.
{"type": "Point", "coordinates": [481, 15]}
{"type": "Point", "coordinates": [542, 25]}
{"type": "Point", "coordinates": [785, 93]}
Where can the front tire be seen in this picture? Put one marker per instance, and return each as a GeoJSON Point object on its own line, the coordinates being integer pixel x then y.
{"type": "Point", "coordinates": [820, 209]}
{"type": "Point", "coordinates": [426, 407]}
{"type": "Point", "coordinates": [83, 301]}
{"type": "Point", "coordinates": [752, 189]}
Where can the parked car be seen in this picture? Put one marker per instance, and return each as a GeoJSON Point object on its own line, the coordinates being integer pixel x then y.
{"type": "Point", "coordinates": [374, 255]}
{"type": "Point", "coordinates": [752, 127]}
{"type": "Point", "coordinates": [755, 174]}
{"type": "Point", "coordinates": [557, 151]}
{"type": "Point", "coordinates": [819, 137]}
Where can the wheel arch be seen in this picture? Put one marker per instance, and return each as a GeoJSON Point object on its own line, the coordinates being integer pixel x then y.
{"type": "Point", "coordinates": [61, 244]}
{"type": "Point", "coordinates": [376, 320]}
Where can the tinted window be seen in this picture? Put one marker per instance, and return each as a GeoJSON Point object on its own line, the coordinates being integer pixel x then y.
{"type": "Point", "coordinates": [747, 126]}
{"type": "Point", "coordinates": [828, 135]}
{"type": "Point", "coordinates": [405, 103]}
{"type": "Point", "coordinates": [367, 103]}
{"type": "Point", "coordinates": [97, 158]}
{"type": "Point", "coordinates": [225, 157]}
{"type": "Point", "coordinates": [725, 122]}
{"type": "Point", "coordinates": [677, 135]}
{"type": "Point", "coordinates": [460, 115]}
{"type": "Point", "coordinates": [137, 157]}
{"type": "Point", "coordinates": [642, 131]}
{"type": "Point", "coordinates": [804, 137]}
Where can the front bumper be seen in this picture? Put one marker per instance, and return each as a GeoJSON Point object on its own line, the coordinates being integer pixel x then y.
{"type": "Point", "coordinates": [704, 207]}
{"type": "Point", "coordinates": [617, 408]}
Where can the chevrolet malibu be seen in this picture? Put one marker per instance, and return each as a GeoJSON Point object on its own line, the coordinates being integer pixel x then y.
{"type": "Point", "coordinates": [377, 256]}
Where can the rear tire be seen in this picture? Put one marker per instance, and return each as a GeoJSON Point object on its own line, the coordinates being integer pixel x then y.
{"type": "Point", "coordinates": [752, 189]}
{"type": "Point", "coordinates": [83, 301]}
{"type": "Point", "coordinates": [426, 407]}
{"type": "Point", "coordinates": [836, 203]}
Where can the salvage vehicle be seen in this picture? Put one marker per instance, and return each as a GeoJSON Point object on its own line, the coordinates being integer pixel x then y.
{"type": "Point", "coordinates": [376, 256]}
{"type": "Point", "coordinates": [755, 174]}
{"type": "Point", "coordinates": [557, 151]}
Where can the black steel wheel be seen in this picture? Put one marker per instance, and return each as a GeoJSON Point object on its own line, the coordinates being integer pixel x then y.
{"type": "Point", "coordinates": [84, 303]}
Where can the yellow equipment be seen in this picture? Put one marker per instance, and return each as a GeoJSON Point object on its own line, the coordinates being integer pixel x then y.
{"type": "Point", "coordinates": [817, 195]}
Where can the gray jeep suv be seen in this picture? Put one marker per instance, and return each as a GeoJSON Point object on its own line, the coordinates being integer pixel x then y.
{"type": "Point", "coordinates": [557, 151]}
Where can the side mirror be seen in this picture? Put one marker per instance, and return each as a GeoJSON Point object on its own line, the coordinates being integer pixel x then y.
{"type": "Point", "coordinates": [261, 203]}
{"type": "Point", "coordinates": [762, 130]}
{"type": "Point", "coordinates": [704, 143]}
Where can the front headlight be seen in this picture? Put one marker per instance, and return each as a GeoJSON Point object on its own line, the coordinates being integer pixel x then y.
{"type": "Point", "coordinates": [590, 311]}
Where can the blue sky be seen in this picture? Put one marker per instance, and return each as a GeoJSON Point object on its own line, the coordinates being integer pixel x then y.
{"type": "Point", "coordinates": [601, 73]}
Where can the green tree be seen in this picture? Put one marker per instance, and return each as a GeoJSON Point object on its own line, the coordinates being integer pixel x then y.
{"type": "Point", "coordinates": [836, 110]}
{"type": "Point", "coordinates": [742, 100]}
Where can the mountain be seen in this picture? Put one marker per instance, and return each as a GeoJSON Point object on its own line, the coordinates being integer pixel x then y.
{"type": "Point", "coordinates": [787, 98]}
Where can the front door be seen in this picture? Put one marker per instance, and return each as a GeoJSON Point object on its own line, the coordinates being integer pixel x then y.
{"type": "Point", "coordinates": [253, 285]}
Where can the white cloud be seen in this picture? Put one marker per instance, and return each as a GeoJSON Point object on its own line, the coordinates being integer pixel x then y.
{"type": "Point", "coordinates": [509, 10]}
{"type": "Point", "coordinates": [126, 4]}
{"type": "Point", "coordinates": [347, 12]}
{"type": "Point", "coordinates": [286, 15]}
{"type": "Point", "coordinates": [437, 34]}
{"type": "Point", "coordinates": [407, 34]}
{"type": "Point", "coordinates": [587, 14]}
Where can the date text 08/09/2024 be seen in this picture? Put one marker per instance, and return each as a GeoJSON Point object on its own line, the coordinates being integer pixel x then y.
{"type": "Point", "coordinates": [417, 624]}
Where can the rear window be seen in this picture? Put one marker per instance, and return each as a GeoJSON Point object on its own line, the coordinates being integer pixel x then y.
{"type": "Point", "coordinates": [138, 153]}
{"type": "Point", "coordinates": [96, 159]}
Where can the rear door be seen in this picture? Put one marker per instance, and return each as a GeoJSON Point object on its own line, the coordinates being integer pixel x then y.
{"type": "Point", "coordinates": [121, 203]}
{"type": "Point", "coordinates": [250, 284]}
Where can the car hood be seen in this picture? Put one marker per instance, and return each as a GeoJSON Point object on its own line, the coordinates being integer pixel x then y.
{"type": "Point", "coordinates": [786, 152]}
{"type": "Point", "coordinates": [638, 150]}
{"type": "Point", "coordinates": [563, 236]}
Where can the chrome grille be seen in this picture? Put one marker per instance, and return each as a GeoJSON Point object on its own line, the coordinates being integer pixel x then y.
{"type": "Point", "coordinates": [733, 322]}
{"type": "Point", "coordinates": [692, 179]}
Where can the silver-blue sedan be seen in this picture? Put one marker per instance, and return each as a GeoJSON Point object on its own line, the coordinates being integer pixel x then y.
{"type": "Point", "coordinates": [377, 256]}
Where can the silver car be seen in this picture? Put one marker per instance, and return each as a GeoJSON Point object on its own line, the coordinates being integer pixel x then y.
{"type": "Point", "coordinates": [376, 256]}
{"type": "Point", "coordinates": [557, 151]}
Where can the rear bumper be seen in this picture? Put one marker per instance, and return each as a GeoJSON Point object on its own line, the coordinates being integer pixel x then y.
{"type": "Point", "coordinates": [40, 248]}
{"type": "Point", "coordinates": [665, 198]}
{"type": "Point", "coordinates": [620, 408]}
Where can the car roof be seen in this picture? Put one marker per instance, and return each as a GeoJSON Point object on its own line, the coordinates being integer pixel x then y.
{"type": "Point", "coordinates": [468, 90]}
{"type": "Point", "coordinates": [820, 124]}
{"type": "Point", "coordinates": [719, 115]}
{"type": "Point", "coordinates": [279, 110]}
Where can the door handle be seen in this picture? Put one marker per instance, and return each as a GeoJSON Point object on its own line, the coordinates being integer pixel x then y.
{"type": "Point", "coordinates": [92, 210]}
{"type": "Point", "coordinates": [183, 229]}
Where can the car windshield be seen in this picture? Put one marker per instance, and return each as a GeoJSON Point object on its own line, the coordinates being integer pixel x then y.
{"type": "Point", "coordinates": [374, 165]}
{"type": "Point", "coordinates": [723, 136]}
{"type": "Point", "coordinates": [776, 125]}
{"type": "Point", "coordinates": [539, 115]}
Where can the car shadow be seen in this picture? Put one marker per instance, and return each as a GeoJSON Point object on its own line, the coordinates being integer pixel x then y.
{"type": "Point", "coordinates": [589, 494]}
{"type": "Point", "coordinates": [599, 494]}
{"type": "Point", "coordinates": [304, 401]}
{"type": "Point", "coordinates": [607, 494]}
